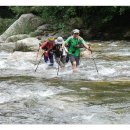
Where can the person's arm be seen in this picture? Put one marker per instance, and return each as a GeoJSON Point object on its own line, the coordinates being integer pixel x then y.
{"type": "Point", "coordinates": [66, 43]}
{"type": "Point", "coordinates": [66, 50]}
{"type": "Point", "coordinates": [63, 45]}
{"type": "Point", "coordinates": [86, 45]}
{"type": "Point", "coordinates": [42, 46]}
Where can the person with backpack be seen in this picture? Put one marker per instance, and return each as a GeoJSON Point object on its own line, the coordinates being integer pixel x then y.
{"type": "Point", "coordinates": [74, 43]}
{"type": "Point", "coordinates": [60, 54]}
{"type": "Point", "coordinates": [47, 47]}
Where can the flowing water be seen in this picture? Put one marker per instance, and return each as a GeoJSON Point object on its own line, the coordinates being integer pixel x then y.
{"type": "Point", "coordinates": [84, 97]}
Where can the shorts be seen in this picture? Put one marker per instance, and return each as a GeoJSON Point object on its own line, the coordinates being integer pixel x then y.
{"type": "Point", "coordinates": [74, 58]}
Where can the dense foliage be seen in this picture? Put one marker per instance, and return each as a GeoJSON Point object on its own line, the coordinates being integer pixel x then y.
{"type": "Point", "coordinates": [96, 18]}
{"type": "Point", "coordinates": [89, 14]}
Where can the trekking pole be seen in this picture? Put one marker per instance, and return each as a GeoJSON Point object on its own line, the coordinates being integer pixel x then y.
{"type": "Point", "coordinates": [37, 53]}
{"type": "Point", "coordinates": [95, 64]}
{"type": "Point", "coordinates": [58, 66]}
{"type": "Point", "coordinates": [39, 62]}
{"type": "Point", "coordinates": [58, 69]}
{"type": "Point", "coordinates": [94, 60]}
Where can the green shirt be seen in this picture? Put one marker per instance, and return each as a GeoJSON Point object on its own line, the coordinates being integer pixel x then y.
{"type": "Point", "coordinates": [72, 42]}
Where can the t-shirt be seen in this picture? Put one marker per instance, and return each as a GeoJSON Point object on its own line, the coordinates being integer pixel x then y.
{"type": "Point", "coordinates": [72, 42]}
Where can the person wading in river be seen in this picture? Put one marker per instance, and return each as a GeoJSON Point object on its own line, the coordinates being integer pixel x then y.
{"type": "Point", "coordinates": [59, 53]}
{"type": "Point", "coordinates": [47, 47]}
{"type": "Point", "coordinates": [74, 43]}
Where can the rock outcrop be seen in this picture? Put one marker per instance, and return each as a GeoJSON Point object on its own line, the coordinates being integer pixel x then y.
{"type": "Point", "coordinates": [24, 25]}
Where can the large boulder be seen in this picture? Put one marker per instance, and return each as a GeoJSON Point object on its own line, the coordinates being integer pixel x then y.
{"type": "Point", "coordinates": [24, 25]}
{"type": "Point", "coordinates": [15, 38]}
{"type": "Point", "coordinates": [27, 44]}
{"type": "Point", "coordinates": [45, 29]}
{"type": "Point", "coordinates": [10, 47]}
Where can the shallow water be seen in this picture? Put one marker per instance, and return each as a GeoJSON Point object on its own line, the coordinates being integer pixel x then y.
{"type": "Point", "coordinates": [84, 97]}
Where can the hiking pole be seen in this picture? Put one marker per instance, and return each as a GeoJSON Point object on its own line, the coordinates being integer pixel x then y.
{"type": "Point", "coordinates": [95, 64]}
{"type": "Point", "coordinates": [58, 69]}
{"type": "Point", "coordinates": [94, 60]}
{"type": "Point", "coordinates": [38, 52]}
{"type": "Point", "coordinates": [39, 62]}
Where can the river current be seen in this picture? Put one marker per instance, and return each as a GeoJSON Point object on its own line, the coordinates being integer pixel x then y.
{"type": "Point", "coordinates": [84, 97]}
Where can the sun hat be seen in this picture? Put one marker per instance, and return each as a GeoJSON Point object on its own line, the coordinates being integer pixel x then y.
{"type": "Point", "coordinates": [51, 38]}
{"type": "Point", "coordinates": [76, 31]}
{"type": "Point", "coordinates": [59, 40]}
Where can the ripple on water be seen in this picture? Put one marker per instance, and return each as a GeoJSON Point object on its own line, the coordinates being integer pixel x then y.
{"type": "Point", "coordinates": [83, 97]}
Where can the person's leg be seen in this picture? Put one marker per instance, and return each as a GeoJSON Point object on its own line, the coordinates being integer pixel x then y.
{"type": "Point", "coordinates": [51, 59]}
{"type": "Point", "coordinates": [77, 60]}
{"type": "Point", "coordinates": [74, 66]}
{"type": "Point", "coordinates": [73, 62]}
{"type": "Point", "coordinates": [63, 59]}
{"type": "Point", "coordinates": [57, 59]}
{"type": "Point", "coordinates": [45, 58]}
{"type": "Point", "coordinates": [67, 58]}
{"type": "Point", "coordinates": [59, 62]}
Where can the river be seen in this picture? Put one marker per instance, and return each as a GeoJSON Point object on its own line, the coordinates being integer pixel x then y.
{"type": "Point", "coordinates": [84, 97]}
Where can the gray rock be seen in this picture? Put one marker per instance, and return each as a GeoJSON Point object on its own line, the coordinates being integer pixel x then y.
{"type": "Point", "coordinates": [25, 24]}
{"type": "Point", "coordinates": [15, 38]}
{"type": "Point", "coordinates": [28, 44]}
{"type": "Point", "coordinates": [10, 47]}
{"type": "Point", "coordinates": [42, 30]}
{"type": "Point", "coordinates": [45, 27]}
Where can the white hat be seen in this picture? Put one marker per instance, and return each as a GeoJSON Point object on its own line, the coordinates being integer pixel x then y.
{"type": "Point", "coordinates": [76, 31]}
{"type": "Point", "coordinates": [59, 40]}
